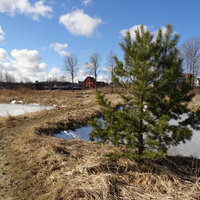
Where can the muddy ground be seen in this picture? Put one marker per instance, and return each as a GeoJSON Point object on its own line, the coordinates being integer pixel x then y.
{"type": "Point", "coordinates": [35, 165]}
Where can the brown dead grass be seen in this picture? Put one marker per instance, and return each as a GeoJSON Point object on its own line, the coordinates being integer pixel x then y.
{"type": "Point", "coordinates": [51, 97]}
{"type": "Point", "coordinates": [43, 167]}
{"type": "Point", "coordinates": [195, 103]}
{"type": "Point", "coordinates": [64, 169]}
{"type": "Point", "coordinates": [43, 97]}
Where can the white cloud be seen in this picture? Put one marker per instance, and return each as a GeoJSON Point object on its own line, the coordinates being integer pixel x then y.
{"type": "Point", "coordinates": [80, 76]}
{"type": "Point", "coordinates": [1, 38]}
{"type": "Point", "coordinates": [26, 65]}
{"type": "Point", "coordinates": [1, 31]}
{"type": "Point", "coordinates": [7, 66]}
{"type": "Point", "coordinates": [1, 35]}
{"type": "Point", "coordinates": [79, 23]}
{"type": "Point", "coordinates": [132, 30]}
{"type": "Point", "coordinates": [3, 55]}
{"type": "Point", "coordinates": [106, 69]}
{"type": "Point", "coordinates": [59, 48]}
{"type": "Point", "coordinates": [163, 28]}
{"type": "Point", "coordinates": [87, 2]}
{"type": "Point", "coordinates": [27, 56]}
{"type": "Point", "coordinates": [27, 61]}
{"type": "Point", "coordinates": [54, 71]}
{"type": "Point", "coordinates": [102, 77]}
{"type": "Point", "coordinates": [13, 7]}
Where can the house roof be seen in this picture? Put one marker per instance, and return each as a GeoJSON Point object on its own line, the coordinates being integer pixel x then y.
{"type": "Point", "coordinates": [89, 77]}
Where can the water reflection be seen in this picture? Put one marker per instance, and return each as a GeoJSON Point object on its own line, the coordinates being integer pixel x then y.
{"type": "Point", "coordinates": [80, 133]}
{"type": "Point", "coordinates": [190, 148]}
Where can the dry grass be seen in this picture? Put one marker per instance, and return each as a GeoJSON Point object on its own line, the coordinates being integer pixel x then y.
{"type": "Point", "coordinates": [65, 169]}
{"type": "Point", "coordinates": [195, 104]}
{"type": "Point", "coordinates": [43, 167]}
{"type": "Point", "coordinates": [50, 97]}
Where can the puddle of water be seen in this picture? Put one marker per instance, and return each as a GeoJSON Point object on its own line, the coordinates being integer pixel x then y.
{"type": "Point", "coordinates": [80, 133]}
{"type": "Point", "coordinates": [190, 148]}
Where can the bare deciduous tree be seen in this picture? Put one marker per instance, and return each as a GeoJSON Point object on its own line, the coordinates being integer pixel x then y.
{"type": "Point", "coordinates": [93, 66]}
{"type": "Point", "coordinates": [9, 78]}
{"type": "Point", "coordinates": [62, 78]}
{"type": "Point", "coordinates": [1, 77]}
{"type": "Point", "coordinates": [71, 67]}
{"type": "Point", "coordinates": [190, 52]}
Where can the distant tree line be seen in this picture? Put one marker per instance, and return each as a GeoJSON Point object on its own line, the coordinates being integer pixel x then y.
{"type": "Point", "coordinates": [7, 77]}
{"type": "Point", "coordinates": [189, 53]}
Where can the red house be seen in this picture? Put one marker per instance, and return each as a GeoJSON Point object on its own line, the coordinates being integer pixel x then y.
{"type": "Point", "coordinates": [89, 82]}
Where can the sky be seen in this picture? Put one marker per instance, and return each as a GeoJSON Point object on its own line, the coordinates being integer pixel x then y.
{"type": "Point", "coordinates": [36, 35]}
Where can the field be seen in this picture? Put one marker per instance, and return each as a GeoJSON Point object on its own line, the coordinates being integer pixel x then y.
{"type": "Point", "coordinates": [35, 165]}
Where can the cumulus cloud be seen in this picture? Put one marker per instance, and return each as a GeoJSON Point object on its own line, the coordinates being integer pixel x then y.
{"type": "Point", "coordinates": [106, 69]}
{"type": "Point", "coordinates": [1, 38]}
{"type": "Point", "coordinates": [1, 31]}
{"type": "Point", "coordinates": [13, 7]}
{"type": "Point", "coordinates": [54, 70]}
{"type": "Point", "coordinates": [56, 74]}
{"type": "Point", "coordinates": [3, 55]}
{"type": "Point", "coordinates": [26, 65]}
{"type": "Point", "coordinates": [27, 61]}
{"type": "Point", "coordinates": [164, 29]}
{"type": "Point", "coordinates": [105, 78]}
{"type": "Point", "coordinates": [59, 48]}
{"type": "Point", "coordinates": [132, 30]}
{"type": "Point", "coordinates": [1, 35]}
{"type": "Point", "coordinates": [7, 66]}
{"type": "Point", "coordinates": [87, 2]}
{"type": "Point", "coordinates": [79, 23]}
{"type": "Point", "coordinates": [80, 76]}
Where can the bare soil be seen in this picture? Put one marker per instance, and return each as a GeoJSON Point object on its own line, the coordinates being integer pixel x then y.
{"type": "Point", "coordinates": [35, 165]}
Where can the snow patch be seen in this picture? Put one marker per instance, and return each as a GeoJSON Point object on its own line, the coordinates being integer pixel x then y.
{"type": "Point", "coordinates": [15, 102]}
{"type": "Point", "coordinates": [14, 109]}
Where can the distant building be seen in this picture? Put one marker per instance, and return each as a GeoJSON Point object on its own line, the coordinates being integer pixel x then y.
{"type": "Point", "coordinates": [186, 76]}
{"type": "Point", "coordinates": [89, 82]}
{"type": "Point", "coordinates": [197, 82]}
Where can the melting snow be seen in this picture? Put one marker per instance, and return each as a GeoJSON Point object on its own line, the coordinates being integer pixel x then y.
{"type": "Point", "coordinates": [13, 109]}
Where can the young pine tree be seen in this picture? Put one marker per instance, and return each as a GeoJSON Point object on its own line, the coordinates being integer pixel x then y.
{"type": "Point", "coordinates": [149, 76]}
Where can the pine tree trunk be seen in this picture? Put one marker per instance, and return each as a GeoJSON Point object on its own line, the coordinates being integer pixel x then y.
{"type": "Point", "coordinates": [141, 145]}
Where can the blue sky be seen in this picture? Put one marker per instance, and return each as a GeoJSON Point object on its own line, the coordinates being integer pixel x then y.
{"type": "Point", "coordinates": [36, 35]}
